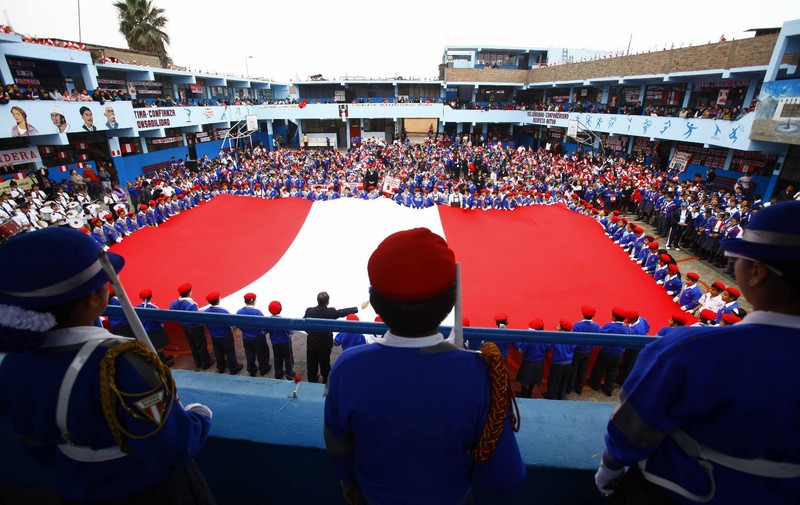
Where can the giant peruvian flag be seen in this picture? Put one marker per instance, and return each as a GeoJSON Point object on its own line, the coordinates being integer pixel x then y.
{"type": "Point", "coordinates": [534, 262]}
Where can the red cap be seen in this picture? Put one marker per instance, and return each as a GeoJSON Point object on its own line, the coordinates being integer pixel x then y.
{"type": "Point", "coordinates": [632, 315]}
{"type": "Point", "coordinates": [536, 324]}
{"type": "Point", "coordinates": [183, 288]}
{"type": "Point", "coordinates": [143, 207]}
{"type": "Point", "coordinates": [249, 297]}
{"type": "Point", "coordinates": [619, 312]}
{"type": "Point", "coordinates": [588, 311]}
{"type": "Point", "coordinates": [275, 307]}
{"type": "Point", "coordinates": [108, 217]}
{"type": "Point", "coordinates": [352, 317]}
{"type": "Point", "coordinates": [145, 293]}
{"type": "Point", "coordinates": [653, 245]}
{"type": "Point", "coordinates": [693, 276]}
{"type": "Point", "coordinates": [674, 268]}
{"type": "Point", "coordinates": [735, 292]}
{"type": "Point", "coordinates": [565, 325]}
{"type": "Point", "coordinates": [412, 265]}
{"type": "Point", "coordinates": [110, 289]}
{"type": "Point", "coordinates": [379, 319]}
{"type": "Point", "coordinates": [680, 318]}
{"type": "Point", "coordinates": [666, 258]}
{"type": "Point", "coordinates": [464, 321]}
{"type": "Point", "coordinates": [212, 297]}
{"type": "Point", "coordinates": [637, 230]}
{"type": "Point", "coordinates": [708, 315]}
{"type": "Point", "coordinates": [720, 286]}
{"type": "Point", "coordinates": [84, 230]}
{"type": "Point", "coordinates": [730, 318]}
{"type": "Point", "coordinates": [500, 316]}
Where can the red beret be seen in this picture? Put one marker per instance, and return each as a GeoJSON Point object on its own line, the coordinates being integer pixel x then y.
{"type": "Point", "coordinates": [275, 307]}
{"type": "Point", "coordinates": [632, 314]}
{"type": "Point", "coordinates": [693, 276]}
{"type": "Point", "coordinates": [614, 219]}
{"type": "Point", "coordinates": [212, 297]}
{"type": "Point", "coordinates": [249, 297]}
{"type": "Point", "coordinates": [619, 312]}
{"type": "Point", "coordinates": [653, 245]}
{"type": "Point", "coordinates": [637, 230]}
{"type": "Point", "coordinates": [680, 318]}
{"type": "Point", "coordinates": [623, 221]}
{"type": "Point", "coordinates": [152, 202]}
{"type": "Point", "coordinates": [588, 311]}
{"type": "Point", "coordinates": [131, 213]}
{"type": "Point", "coordinates": [735, 292]}
{"type": "Point", "coordinates": [501, 316]}
{"type": "Point", "coordinates": [379, 319]}
{"type": "Point", "coordinates": [674, 268]}
{"type": "Point", "coordinates": [108, 217]}
{"type": "Point", "coordinates": [720, 286]}
{"type": "Point", "coordinates": [465, 321]}
{"type": "Point", "coordinates": [145, 293]}
{"type": "Point", "coordinates": [536, 324]}
{"type": "Point", "coordinates": [616, 212]}
{"type": "Point", "coordinates": [84, 230]}
{"type": "Point", "coordinates": [412, 265]}
{"type": "Point", "coordinates": [110, 289]}
{"type": "Point", "coordinates": [708, 315]}
{"type": "Point", "coordinates": [730, 318]}
{"type": "Point", "coordinates": [666, 258]}
{"type": "Point", "coordinates": [142, 207]}
{"type": "Point", "coordinates": [184, 287]}
{"type": "Point", "coordinates": [181, 196]}
{"type": "Point", "coordinates": [352, 317]}
{"type": "Point", "coordinates": [565, 325]}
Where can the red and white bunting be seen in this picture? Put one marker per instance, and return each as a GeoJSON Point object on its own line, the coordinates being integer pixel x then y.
{"type": "Point", "coordinates": [62, 155]}
{"type": "Point", "coordinates": [19, 175]}
{"type": "Point", "coordinates": [116, 153]}
{"type": "Point", "coordinates": [82, 146]}
{"type": "Point", "coordinates": [80, 165]}
{"type": "Point", "coordinates": [48, 149]}
{"type": "Point", "coordinates": [128, 148]}
{"type": "Point", "coordinates": [83, 156]}
{"type": "Point", "coordinates": [63, 168]}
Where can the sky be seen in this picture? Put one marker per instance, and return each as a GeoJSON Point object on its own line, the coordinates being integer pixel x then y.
{"type": "Point", "coordinates": [291, 41]}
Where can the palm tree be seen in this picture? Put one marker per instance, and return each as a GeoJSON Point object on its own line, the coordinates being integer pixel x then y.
{"type": "Point", "coordinates": [143, 26]}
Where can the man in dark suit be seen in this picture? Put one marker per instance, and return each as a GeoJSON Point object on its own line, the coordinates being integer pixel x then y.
{"type": "Point", "coordinates": [320, 343]}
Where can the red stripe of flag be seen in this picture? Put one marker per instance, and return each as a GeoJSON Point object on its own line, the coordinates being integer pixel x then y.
{"type": "Point", "coordinates": [19, 175]}
{"type": "Point", "coordinates": [48, 149]}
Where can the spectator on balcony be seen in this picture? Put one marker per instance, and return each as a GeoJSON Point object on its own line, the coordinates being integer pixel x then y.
{"type": "Point", "coordinates": [685, 442]}
{"type": "Point", "coordinates": [84, 96]}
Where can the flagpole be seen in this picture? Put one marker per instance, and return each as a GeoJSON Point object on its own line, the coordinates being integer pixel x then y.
{"type": "Point", "coordinates": [458, 327]}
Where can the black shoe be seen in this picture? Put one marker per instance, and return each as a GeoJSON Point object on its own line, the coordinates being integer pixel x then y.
{"type": "Point", "coordinates": [207, 365]}
{"type": "Point", "coordinates": [253, 374]}
{"type": "Point", "coordinates": [237, 369]}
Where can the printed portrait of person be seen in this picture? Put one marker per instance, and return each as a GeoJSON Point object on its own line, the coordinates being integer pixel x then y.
{"type": "Point", "coordinates": [58, 119]}
{"type": "Point", "coordinates": [88, 119]}
{"type": "Point", "coordinates": [21, 128]}
{"type": "Point", "coordinates": [111, 118]}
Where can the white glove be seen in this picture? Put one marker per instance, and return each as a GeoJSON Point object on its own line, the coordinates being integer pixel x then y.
{"type": "Point", "coordinates": [659, 282]}
{"type": "Point", "coordinates": [676, 298]}
{"type": "Point", "coordinates": [607, 480]}
{"type": "Point", "coordinates": [684, 308]}
{"type": "Point", "coordinates": [200, 409]}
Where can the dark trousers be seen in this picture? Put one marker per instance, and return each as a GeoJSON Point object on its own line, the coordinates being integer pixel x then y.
{"type": "Point", "coordinates": [625, 367]}
{"type": "Point", "coordinates": [225, 353]}
{"type": "Point", "coordinates": [196, 338]}
{"type": "Point", "coordinates": [319, 363]}
{"type": "Point", "coordinates": [186, 486]}
{"type": "Point", "coordinates": [675, 235]}
{"type": "Point", "coordinates": [256, 349]}
{"type": "Point", "coordinates": [558, 381]}
{"type": "Point", "coordinates": [634, 489]}
{"type": "Point", "coordinates": [284, 360]}
{"type": "Point", "coordinates": [580, 364]}
{"type": "Point", "coordinates": [605, 368]}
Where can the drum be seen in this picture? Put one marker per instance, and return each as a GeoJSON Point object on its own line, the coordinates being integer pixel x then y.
{"type": "Point", "coordinates": [9, 229]}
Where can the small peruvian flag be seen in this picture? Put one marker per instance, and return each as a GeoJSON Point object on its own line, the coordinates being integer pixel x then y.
{"type": "Point", "coordinates": [62, 154]}
{"type": "Point", "coordinates": [19, 175]}
{"type": "Point", "coordinates": [63, 168]}
{"type": "Point", "coordinates": [48, 149]}
{"type": "Point", "coordinates": [82, 146]}
{"type": "Point", "coordinates": [83, 156]}
{"type": "Point", "coordinates": [128, 148]}
{"type": "Point", "coordinates": [80, 165]}
{"type": "Point", "coordinates": [116, 153]}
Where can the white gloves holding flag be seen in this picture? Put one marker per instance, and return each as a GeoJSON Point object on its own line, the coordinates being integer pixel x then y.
{"type": "Point", "coordinates": [200, 409]}
{"type": "Point", "coordinates": [607, 480]}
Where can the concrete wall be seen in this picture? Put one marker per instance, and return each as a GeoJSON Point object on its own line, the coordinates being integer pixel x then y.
{"type": "Point", "coordinates": [265, 448]}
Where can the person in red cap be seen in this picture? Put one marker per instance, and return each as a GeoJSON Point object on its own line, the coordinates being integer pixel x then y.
{"type": "Point", "coordinates": [222, 338]}
{"type": "Point", "coordinates": [195, 332]}
{"type": "Point", "coordinates": [638, 325]}
{"type": "Point", "coordinates": [582, 353]}
{"type": "Point", "coordinates": [731, 299]}
{"type": "Point", "coordinates": [677, 320]}
{"type": "Point", "coordinates": [155, 329]}
{"type": "Point", "coordinates": [281, 346]}
{"type": "Point", "coordinates": [690, 295]}
{"type": "Point", "coordinates": [254, 340]}
{"type": "Point", "coordinates": [439, 456]}
{"type": "Point", "coordinates": [662, 269]}
{"type": "Point", "coordinates": [687, 427]}
{"type": "Point", "coordinates": [673, 282]}
{"type": "Point", "coordinates": [607, 365]}
{"type": "Point", "coordinates": [348, 339]}
{"type": "Point", "coordinates": [320, 343]}
{"type": "Point", "coordinates": [531, 370]}
{"type": "Point", "coordinates": [729, 318]}
{"type": "Point", "coordinates": [558, 380]}
{"type": "Point", "coordinates": [712, 299]}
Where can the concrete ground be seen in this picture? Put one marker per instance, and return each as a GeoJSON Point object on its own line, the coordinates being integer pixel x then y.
{"type": "Point", "coordinates": [688, 263]}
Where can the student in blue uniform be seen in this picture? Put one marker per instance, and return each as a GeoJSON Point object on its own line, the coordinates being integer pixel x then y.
{"type": "Point", "coordinates": [411, 458]}
{"type": "Point", "coordinates": [582, 353]}
{"type": "Point", "coordinates": [735, 442]}
{"type": "Point", "coordinates": [531, 370]}
{"type": "Point", "coordinates": [222, 338]}
{"type": "Point", "coordinates": [195, 333]}
{"type": "Point", "coordinates": [558, 380]}
{"type": "Point", "coordinates": [348, 339]}
{"type": "Point", "coordinates": [731, 298]}
{"type": "Point", "coordinates": [607, 365]}
{"type": "Point", "coordinates": [254, 340]}
{"type": "Point", "coordinates": [136, 447]}
{"type": "Point", "coordinates": [281, 346]}
{"type": "Point", "coordinates": [689, 297]}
